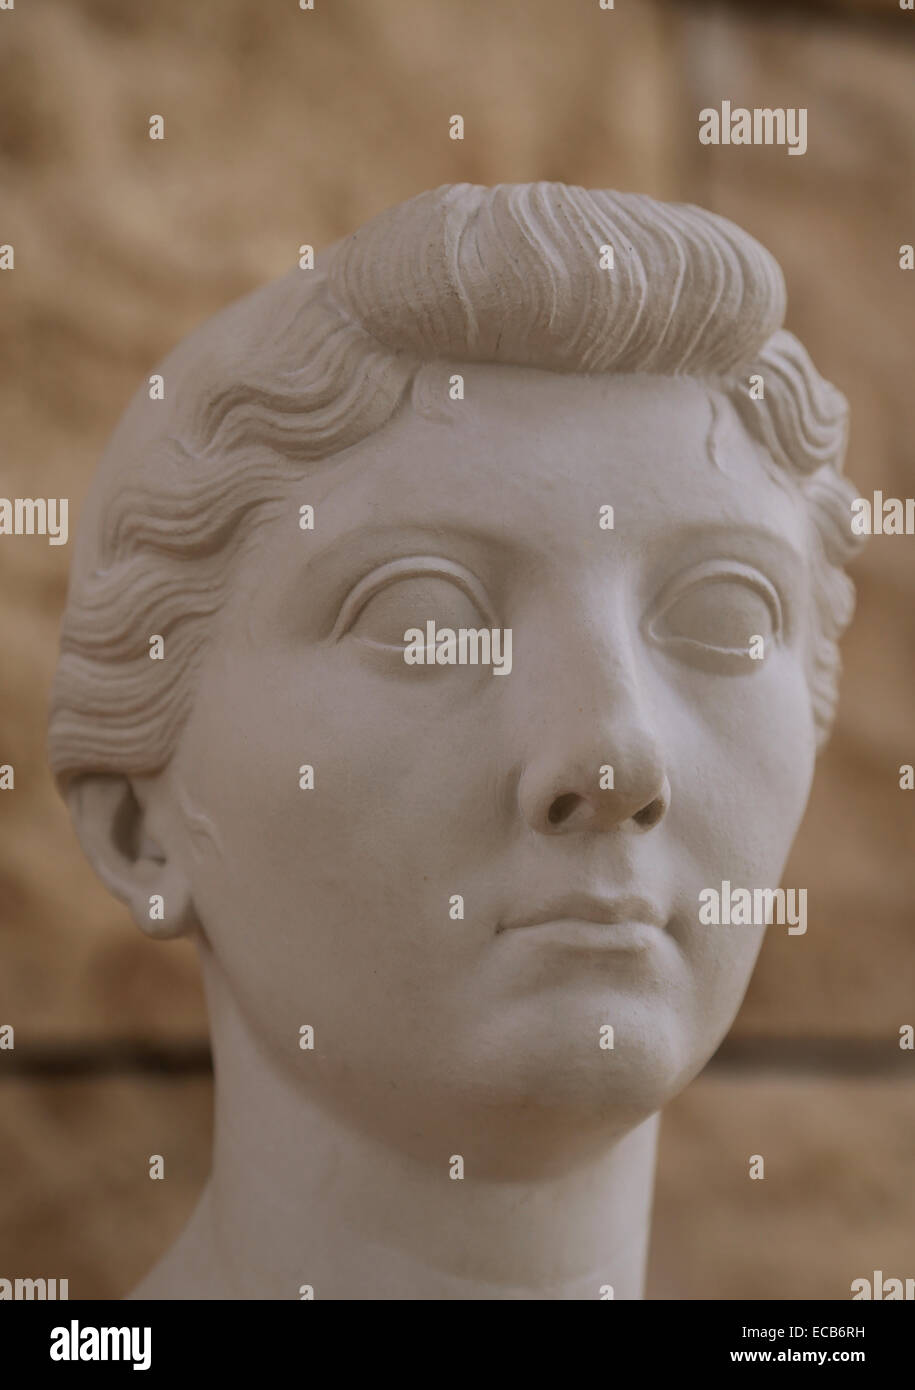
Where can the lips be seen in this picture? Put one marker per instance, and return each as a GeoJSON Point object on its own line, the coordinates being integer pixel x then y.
{"type": "Point", "coordinates": [587, 907]}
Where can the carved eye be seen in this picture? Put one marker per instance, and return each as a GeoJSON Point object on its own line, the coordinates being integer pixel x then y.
{"type": "Point", "coordinates": [410, 603]}
{"type": "Point", "coordinates": [408, 594]}
{"type": "Point", "coordinates": [711, 616]}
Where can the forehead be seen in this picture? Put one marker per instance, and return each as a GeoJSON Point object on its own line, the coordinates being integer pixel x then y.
{"type": "Point", "coordinates": [539, 453]}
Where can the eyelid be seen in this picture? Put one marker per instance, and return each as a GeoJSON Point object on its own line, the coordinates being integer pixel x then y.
{"type": "Point", "coordinates": [407, 568]}
{"type": "Point", "coordinates": [716, 569]}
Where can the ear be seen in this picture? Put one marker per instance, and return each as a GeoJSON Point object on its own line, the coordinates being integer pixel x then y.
{"type": "Point", "coordinates": [111, 826]}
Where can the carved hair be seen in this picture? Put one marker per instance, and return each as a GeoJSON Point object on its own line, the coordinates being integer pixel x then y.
{"type": "Point", "coordinates": [277, 384]}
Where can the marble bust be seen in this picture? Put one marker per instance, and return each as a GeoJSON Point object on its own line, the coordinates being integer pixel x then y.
{"type": "Point", "coordinates": [448, 924]}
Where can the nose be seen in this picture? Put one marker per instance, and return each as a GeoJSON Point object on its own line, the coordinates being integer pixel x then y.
{"type": "Point", "coordinates": [596, 763]}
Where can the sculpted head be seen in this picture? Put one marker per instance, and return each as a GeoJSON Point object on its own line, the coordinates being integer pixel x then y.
{"type": "Point", "coordinates": [584, 387]}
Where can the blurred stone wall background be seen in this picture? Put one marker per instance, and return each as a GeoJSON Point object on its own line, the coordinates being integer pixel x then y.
{"type": "Point", "coordinates": [282, 127]}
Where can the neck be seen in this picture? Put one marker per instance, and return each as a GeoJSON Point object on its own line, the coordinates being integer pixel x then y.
{"type": "Point", "coordinates": [300, 1197]}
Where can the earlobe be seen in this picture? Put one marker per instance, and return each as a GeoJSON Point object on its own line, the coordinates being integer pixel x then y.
{"type": "Point", "coordinates": [111, 827]}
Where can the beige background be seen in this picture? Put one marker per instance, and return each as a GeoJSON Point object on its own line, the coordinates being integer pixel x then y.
{"type": "Point", "coordinates": [284, 127]}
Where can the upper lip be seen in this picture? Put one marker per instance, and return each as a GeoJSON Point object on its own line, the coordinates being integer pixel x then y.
{"type": "Point", "coordinates": [589, 907]}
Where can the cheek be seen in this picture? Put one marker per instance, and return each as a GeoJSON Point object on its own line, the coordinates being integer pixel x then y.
{"type": "Point", "coordinates": [403, 774]}
{"type": "Point", "coordinates": [743, 786]}
{"type": "Point", "coordinates": [773, 752]}
{"type": "Point", "coordinates": [744, 767]}
{"type": "Point", "coordinates": [319, 876]}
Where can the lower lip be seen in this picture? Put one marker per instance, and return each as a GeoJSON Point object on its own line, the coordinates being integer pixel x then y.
{"type": "Point", "coordinates": [580, 935]}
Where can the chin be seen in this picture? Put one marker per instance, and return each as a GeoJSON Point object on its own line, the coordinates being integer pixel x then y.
{"type": "Point", "coordinates": [646, 1067]}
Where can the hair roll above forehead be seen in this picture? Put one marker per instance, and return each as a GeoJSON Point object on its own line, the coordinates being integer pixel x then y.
{"type": "Point", "coordinates": [513, 274]}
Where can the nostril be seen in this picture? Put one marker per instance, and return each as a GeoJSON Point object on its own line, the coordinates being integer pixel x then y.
{"type": "Point", "coordinates": [650, 814]}
{"type": "Point", "coordinates": [562, 808]}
